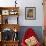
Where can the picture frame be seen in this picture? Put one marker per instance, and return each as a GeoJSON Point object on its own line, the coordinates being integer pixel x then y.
{"type": "Point", "coordinates": [30, 13]}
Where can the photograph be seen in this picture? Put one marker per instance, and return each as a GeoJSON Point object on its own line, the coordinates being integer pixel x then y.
{"type": "Point", "coordinates": [30, 13]}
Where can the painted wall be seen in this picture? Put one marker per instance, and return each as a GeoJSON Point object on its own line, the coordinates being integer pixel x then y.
{"type": "Point", "coordinates": [26, 3]}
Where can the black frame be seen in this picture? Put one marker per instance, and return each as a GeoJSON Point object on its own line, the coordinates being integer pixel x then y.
{"type": "Point", "coordinates": [34, 10]}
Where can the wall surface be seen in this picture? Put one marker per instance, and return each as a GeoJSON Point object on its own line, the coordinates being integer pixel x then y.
{"type": "Point", "coordinates": [26, 3]}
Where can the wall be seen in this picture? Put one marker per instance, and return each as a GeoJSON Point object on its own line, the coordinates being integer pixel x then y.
{"type": "Point", "coordinates": [39, 12]}
{"type": "Point", "coordinates": [27, 3]}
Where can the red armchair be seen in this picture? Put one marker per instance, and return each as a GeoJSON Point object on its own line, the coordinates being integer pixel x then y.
{"type": "Point", "coordinates": [30, 34]}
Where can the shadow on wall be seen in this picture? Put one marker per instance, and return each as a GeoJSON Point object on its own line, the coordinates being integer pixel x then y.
{"type": "Point", "coordinates": [37, 29]}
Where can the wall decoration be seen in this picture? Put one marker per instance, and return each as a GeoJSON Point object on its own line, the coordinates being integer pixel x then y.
{"type": "Point", "coordinates": [30, 13]}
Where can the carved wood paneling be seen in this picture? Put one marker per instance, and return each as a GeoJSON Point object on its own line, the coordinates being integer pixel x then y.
{"type": "Point", "coordinates": [11, 26]}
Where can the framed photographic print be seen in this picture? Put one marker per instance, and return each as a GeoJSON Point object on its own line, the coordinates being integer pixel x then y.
{"type": "Point", "coordinates": [30, 13]}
